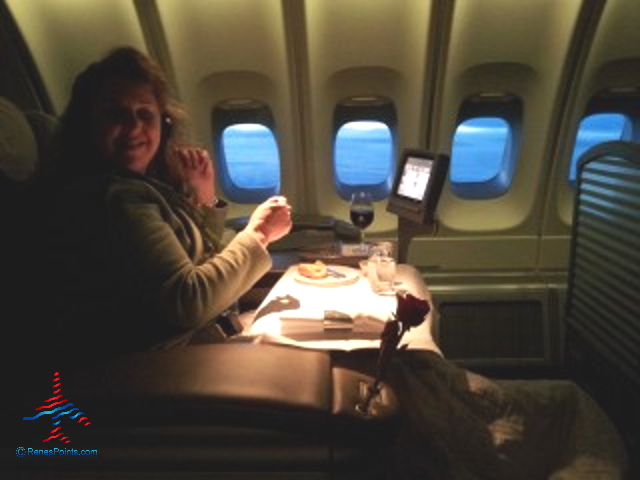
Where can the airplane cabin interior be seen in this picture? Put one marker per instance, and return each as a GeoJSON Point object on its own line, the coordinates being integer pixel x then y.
{"type": "Point", "coordinates": [498, 142]}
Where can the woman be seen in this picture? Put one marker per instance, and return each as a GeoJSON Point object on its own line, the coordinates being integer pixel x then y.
{"type": "Point", "coordinates": [135, 246]}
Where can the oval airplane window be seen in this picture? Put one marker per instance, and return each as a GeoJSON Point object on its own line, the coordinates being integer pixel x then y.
{"type": "Point", "coordinates": [363, 153]}
{"type": "Point", "coordinates": [251, 162]}
{"type": "Point", "coordinates": [482, 161]}
{"type": "Point", "coordinates": [594, 129]}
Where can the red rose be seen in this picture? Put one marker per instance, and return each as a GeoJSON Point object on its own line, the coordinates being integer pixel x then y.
{"type": "Point", "coordinates": [391, 334]}
{"type": "Point", "coordinates": [411, 311]}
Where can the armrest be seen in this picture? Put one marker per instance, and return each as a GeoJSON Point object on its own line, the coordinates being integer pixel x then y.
{"type": "Point", "coordinates": [229, 409]}
{"type": "Point", "coordinates": [243, 384]}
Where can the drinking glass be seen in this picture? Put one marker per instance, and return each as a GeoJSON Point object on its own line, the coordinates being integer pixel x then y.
{"type": "Point", "coordinates": [361, 213]}
{"type": "Point", "coordinates": [382, 269]}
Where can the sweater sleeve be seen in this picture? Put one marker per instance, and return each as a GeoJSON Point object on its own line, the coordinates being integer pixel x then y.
{"type": "Point", "coordinates": [155, 253]}
{"type": "Point", "coordinates": [215, 218]}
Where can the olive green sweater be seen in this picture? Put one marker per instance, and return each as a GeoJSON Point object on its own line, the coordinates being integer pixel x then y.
{"type": "Point", "coordinates": [130, 269]}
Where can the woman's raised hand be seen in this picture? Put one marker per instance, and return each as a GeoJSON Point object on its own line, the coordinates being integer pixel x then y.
{"type": "Point", "coordinates": [271, 220]}
{"type": "Point", "coordinates": [199, 173]}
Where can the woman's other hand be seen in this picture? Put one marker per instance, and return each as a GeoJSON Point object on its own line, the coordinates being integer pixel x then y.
{"type": "Point", "coordinates": [271, 220]}
{"type": "Point", "coordinates": [199, 173]}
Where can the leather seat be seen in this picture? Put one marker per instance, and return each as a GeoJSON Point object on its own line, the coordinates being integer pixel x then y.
{"type": "Point", "coordinates": [236, 409]}
{"type": "Point", "coordinates": [211, 411]}
{"type": "Point", "coordinates": [25, 141]}
{"type": "Point", "coordinates": [18, 148]}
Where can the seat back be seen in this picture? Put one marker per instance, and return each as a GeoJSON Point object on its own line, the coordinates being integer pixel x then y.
{"type": "Point", "coordinates": [25, 145]}
{"type": "Point", "coordinates": [25, 140]}
{"type": "Point", "coordinates": [602, 341]}
{"type": "Point", "coordinates": [235, 410]}
{"type": "Point", "coordinates": [18, 145]}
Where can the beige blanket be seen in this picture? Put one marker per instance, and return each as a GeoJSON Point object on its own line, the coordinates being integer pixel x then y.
{"type": "Point", "coordinates": [460, 425]}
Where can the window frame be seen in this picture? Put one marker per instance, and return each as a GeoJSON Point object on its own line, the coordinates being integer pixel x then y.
{"type": "Point", "coordinates": [233, 112]}
{"type": "Point", "coordinates": [508, 108]}
{"type": "Point", "coordinates": [362, 109]}
{"type": "Point", "coordinates": [622, 101]}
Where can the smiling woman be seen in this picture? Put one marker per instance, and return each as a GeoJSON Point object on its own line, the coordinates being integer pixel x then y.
{"type": "Point", "coordinates": [138, 258]}
{"type": "Point", "coordinates": [114, 119]}
{"type": "Point", "coordinates": [128, 125]}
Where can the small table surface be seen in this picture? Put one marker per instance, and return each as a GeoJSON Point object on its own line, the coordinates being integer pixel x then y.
{"type": "Point", "coordinates": [299, 312]}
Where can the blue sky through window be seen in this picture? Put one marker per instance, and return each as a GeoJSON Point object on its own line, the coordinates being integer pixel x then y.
{"type": "Point", "coordinates": [478, 152]}
{"type": "Point", "coordinates": [252, 157]}
{"type": "Point", "coordinates": [363, 153]}
{"type": "Point", "coordinates": [595, 129]}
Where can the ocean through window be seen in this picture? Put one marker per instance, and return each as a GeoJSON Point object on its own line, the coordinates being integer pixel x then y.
{"type": "Point", "coordinates": [251, 155]}
{"type": "Point", "coordinates": [363, 156]}
{"type": "Point", "coordinates": [482, 158]}
{"type": "Point", "coordinates": [594, 129]}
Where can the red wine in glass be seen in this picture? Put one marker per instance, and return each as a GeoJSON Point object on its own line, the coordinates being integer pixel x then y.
{"type": "Point", "coordinates": [361, 218]}
{"type": "Point", "coordinates": [361, 213]}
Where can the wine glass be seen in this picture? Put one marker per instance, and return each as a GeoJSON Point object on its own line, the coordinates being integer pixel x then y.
{"type": "Point", "coordinates": [361, 213]}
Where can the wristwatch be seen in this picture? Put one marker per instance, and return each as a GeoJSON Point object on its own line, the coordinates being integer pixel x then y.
{"type": "Point", "coordinates": [215, 203]}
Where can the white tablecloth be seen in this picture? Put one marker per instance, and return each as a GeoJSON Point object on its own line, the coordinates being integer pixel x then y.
{"type": "Point", "coordinates": [294, 313]}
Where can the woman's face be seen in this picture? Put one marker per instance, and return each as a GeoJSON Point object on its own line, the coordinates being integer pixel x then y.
{"type": "Point", "coordinates": [127, 124]}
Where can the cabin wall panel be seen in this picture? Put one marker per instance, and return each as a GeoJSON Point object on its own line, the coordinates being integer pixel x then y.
{"type": "Point", "coordinates": [474, 254]}
{"type": "Point", "coordinates": [203, 37]}
{"type": "Point", "coordinates": [509, 48]}
{"type": "Point", "coordinates": [554, 252]}
{"type": "Point", "coordinates": [234, 50]}
{"type": "Point", "coordinates": [64, 36]}
{"type": "Point", "coordinates": [613, 61]}
{"type": "Point", "coordinates": [504, 47]}
{"type": "Point", "coordinates": [497, 325]}
{"type": "Point", "coordinates": [385, 38]}
{"type": "Point", "coordinates": [302, 57]}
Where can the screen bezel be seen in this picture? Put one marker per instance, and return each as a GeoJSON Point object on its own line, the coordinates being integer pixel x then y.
{"type": "Point", "coordinates": [420, 211]}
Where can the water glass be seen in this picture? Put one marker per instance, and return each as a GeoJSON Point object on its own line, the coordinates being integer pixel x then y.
{"type": "Point", "coordinates": [385, 271]}
{"type": "Point", "coordinates": [382, 269]}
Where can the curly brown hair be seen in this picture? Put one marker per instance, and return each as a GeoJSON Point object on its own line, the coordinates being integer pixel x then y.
{"type": "Point", "coordinates": [75, 150]}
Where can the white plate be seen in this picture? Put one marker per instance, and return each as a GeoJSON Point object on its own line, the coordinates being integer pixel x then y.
{"type": "Point", "coordinates": [351, 276]}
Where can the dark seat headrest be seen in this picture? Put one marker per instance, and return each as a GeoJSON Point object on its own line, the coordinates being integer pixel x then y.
{"type": "Point", "coordinates": [25, 140]}
{"type": "Point", "coordinates": [18, 145]}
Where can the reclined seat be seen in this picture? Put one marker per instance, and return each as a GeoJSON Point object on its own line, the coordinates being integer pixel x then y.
{"type": "Point", "coordinates": [234, 410]}
{"type": "Point", "coordinates": [602, 325]}
{"type": "Point", "coordinates": [212, 411]}
{"type": "Point", "coordinates": [25, 140]}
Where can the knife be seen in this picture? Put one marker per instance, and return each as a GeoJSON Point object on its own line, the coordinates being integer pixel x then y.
{"type": "Point", "coordinates": [335, 273]}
